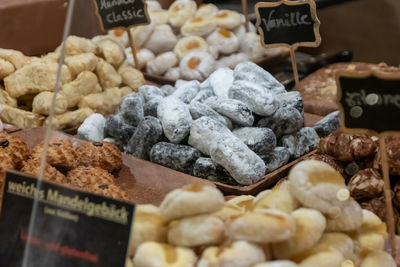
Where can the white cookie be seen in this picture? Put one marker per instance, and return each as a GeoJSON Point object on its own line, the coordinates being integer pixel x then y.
{"type": "Point", "coordinates": [161, 40]}
{"type": "Point", "coordinates": [197, 65]}
{"type": "Point", "coordinates": [162, 63]}
{"type": "Point", "coordinates": [189, 44]}
{"type": "Point", "coordinates": [143, 55]}
{"type": "Point", "coordinates": [226, 41]}
{"type": "Point", "coordinates": [227, 19]}
{"type": "Point", "coordinates": [198, 26]}
{"type": "Point", "coordinates": [180, 11]}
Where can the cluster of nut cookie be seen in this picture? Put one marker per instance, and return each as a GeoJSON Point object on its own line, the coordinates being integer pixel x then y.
{"type": "Point", "coordinates": [93, 79]}
{"type": "Point", "coordinates": [89, 167]}
{"type": "Point", "coordinates": [357, 158]}
{"type": "Point", "coordinates": [189, 42]}
{"type": "Point", "coordinates": [308, 221]}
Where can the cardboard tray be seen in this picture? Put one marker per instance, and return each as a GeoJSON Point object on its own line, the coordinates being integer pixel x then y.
{"type": "Point", "coordinates": [145, 182]}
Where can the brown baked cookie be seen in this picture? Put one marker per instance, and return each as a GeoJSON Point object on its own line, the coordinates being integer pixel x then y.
{"type": "Point", "coordinates": [15, 147]}
{"type": "Point", "coordinates": [32, 167]}
{"type": "Point", "coordinates": [83, 176]}
{"type": "Point", "coordinates": [6, 163]}
{"type": "Point", "coordinates": [61, 154]}
{"type": "Point", "coordinates": [366, 184]}
{"type": "Point", "coordinates": [329, 160]}
{"type": "Point", "coordinates": [100, 154]}
{"type": "Point", "coordinates": [108, 190]}
{"type": "Point", "coordinates": [393, 155]}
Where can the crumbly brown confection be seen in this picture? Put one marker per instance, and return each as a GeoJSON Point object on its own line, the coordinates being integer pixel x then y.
{"type": "Point", "coordinates": [6, 163]}
{"type": "Point", "coordinates": [87, 176]}
{"type": "Point", "coordinates": [366, 184]}
{"type": "Point", "coordinates": [348, 147]}
{"type": "Point", "coordinates": [329, 160]}
{"type": "Point", "coordinates": [393, 155]}
{"type": "Point", "coordinates": [15, 147]}
{"type": "Point", "coordinates": [108, 190]}
{"type": "Point", "coordinates": [61, 154]}
{"type": "Point", "coordinates": [32, 167]}
{"type": "Point", "coordinates": [396, 197]}
{"type": "Point", "coordinates": [100, 154]}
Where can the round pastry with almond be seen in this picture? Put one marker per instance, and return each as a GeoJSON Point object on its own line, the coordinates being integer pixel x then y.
{"type": "Point", "coordinates": [180, 11]}
{"type": "Point", "coordinates": [61, 154]}
{"type": "Point", "coordinates": [198, 26]}
{"type": "Point", "coordinates": [14, 147]}
{"type": "Point", "coordinates": [197, 65]}
{"type": "Point", "coordinates": [206, 10]}
{"type": "Point", "coordinates": [161, 40]}
{"type": "Point", "coordinates": [108, 190]}
{"type": "Point", "coordinates": [227, 19]}
{"type": "Point", "coordinates": [189, 44]}
{"type": "Point", "coordinates": [51, 174]}
{"type": "Point", "coordinates": [224, 40]}
{"type": "Point", "coordinates": [83, 176]}
{"type": "Point", "coordinates": [100, 154]}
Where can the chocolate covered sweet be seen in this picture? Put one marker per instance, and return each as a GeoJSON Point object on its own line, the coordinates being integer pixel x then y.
{"type": "Point", "coordinates": [366, 184]}
{"type": "Point", "coordinates": [261, 140]}
{"type": "Point", "coordinates": [148, 133]}
{"type": "Point", "coordinates": [187, 92]}
{"type": "Point", "coordinates": [276, 158]}
{"type": "Point", "coordinates": [284, 121]}
{"type": "Point", "coordinates": [117, 128]}
{"type": "Point", "coordinates": [150, 108]}
{"type": "Point", "coordinates": [301, 142]}
{"type": "Point", "coordinates": [177, 157]}
{"type": "Point", "coordinates": [132, 109]}
{"type": "Point", "coordinates": [198, 110]}
{"type": "Point", "coordinates": [328, 124]}
{"type": "Point", "coordinates": [206, 168]}
{"type": "Point", "coordinates": [292, 99]}
{"type": "Point", "coordinates": [329, 160]}
{"type": "Point", "coordinates": [235, 110]}
{"type": "Point", "coordinates": [149, 92]}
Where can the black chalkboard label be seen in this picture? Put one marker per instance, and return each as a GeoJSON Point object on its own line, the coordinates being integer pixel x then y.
{"type": "Point", "coordinates": [288, 23]}
{"type": "Point", "coordinates": [121, 13]}
{"type": "Point", "coordinates": [369, 101]}
{"type": "Point", "coordinates": [72, 228]}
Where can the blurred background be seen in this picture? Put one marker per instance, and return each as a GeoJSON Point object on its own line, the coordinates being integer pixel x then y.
{"type": "Point", "coordinates": [370, 28]}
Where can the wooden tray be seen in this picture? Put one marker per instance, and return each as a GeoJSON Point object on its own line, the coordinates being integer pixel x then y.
{"type": "Point", "coordinates": [265, 62]}
{"type": "Point", "coordinates": [145, 182]}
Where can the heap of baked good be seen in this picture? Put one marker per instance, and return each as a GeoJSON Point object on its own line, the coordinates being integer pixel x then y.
{"type": "Point", "coordinates": [189, 42]}
{"type": "Point", "coordinates": [234, 127]}
{"type": "Point", "coordinates": [319, 89]}
{"type": "Point", "coordinates": [357, 158]}
{"type": "Point", "coordinates": [93, 79]}
{"type": "Point", "coordinates": [89, 167]}
{"type": "Point", "coordinates": [308, 221]}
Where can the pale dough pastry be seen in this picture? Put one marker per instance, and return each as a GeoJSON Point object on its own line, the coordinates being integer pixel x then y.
{"type": "Point", "coordinates": [112, 52]}
{"type": "Point", "coordinates": [84, 84]}
{"type": "Point", "coordinates": [81, 62]}
{"type": "Point", "coordinates": [21, 118]}
{"type": "Point", "coordinates": [106, 102]}
{"type": "Point", "coordinates": [173, 74]}
{"type": "Point", "coordinates": [121, 35]}
{"type": "Point", "coordinates": [143, 55]}
{"type": "Point", "coordinates": [34, 78]}
{"type": "Point", "coordinates": [197, 65]}
{"type": "Point", "coordinates": [159, 16]}
{"type": "Point", "coordinates": [141, 34]}
{"type": "Point", "coordinates": [14, 57]}
{"type": "Point", "coordinates": [232, 60]}
{"type": "Point", "coordinates": [161, 40]}
{"type": "Point", "coordinates": [198, 26]}
{"type": "Point", "coordinates": [6, 68]}
{"type": "Point", "coordinates": [42, 103]}
{"type": "Point", "coordinates": [131, 77]}
{"type": "Point", "coordinates": [180, 11]}
{"type": "Point", "coordinates": [250, 44]}
{"type": "Point", "coordinates": [153, 5]}
{"type": "Point", "coordinates": [162, 63]}
{"type": "Point", "coordinates": [6, 99]}
{"type": "Point", "coordinates": [107, 75]}
{"type": "Point", "coordinates": [77, 45]}
{"type": "Point", "coordinates": [226, 41]}
{"type": "Point", "coordinates": [206, 10]}
{"type": "Point", "coordinates": [70, 119]}
{"type": "Point", "coordinates": [189, 44]}
{"type": "Point", "coordinates": [227, 19]}
{"type": "Point", "coordinates": [240, 31]}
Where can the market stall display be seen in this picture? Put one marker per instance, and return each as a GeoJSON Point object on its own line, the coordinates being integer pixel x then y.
{"type": "Point", "coordinates": [285, 226]}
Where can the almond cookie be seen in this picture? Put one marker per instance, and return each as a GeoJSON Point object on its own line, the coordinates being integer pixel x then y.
{"type": "Point", "coordinates": [89, 176]}
{"type": "Point", "coordinates": [15, 147]}
{"type": "Point", "coordinates": [6, 163]}
{"type": "Point", "coordinates": [100, 154]}
{"type": "Point", "coordinates": [51, 174]}
{"type": "Point", "coordinates": [61, 154]}
{"type": "Point", "coordinates": [108, 190]}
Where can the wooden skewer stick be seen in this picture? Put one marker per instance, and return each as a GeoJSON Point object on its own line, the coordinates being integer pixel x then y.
{"type": "Point", "coordinates": [133, 49]}
{"type": "Point", "coordinates": [294, 65]}
{"type": "Point", "coordinates": [246, 14]}
{"type": "Point", "coordinates": [388, 194]}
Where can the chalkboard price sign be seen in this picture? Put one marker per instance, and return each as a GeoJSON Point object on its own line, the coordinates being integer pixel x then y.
{"type": "Point", "coordinates": [369, 101]}
{"type": "Point", "coordinates": [122, 13]}
{"type": "Point", "coordinates": [288, 23]}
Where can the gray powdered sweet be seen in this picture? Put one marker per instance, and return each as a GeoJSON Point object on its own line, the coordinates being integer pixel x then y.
{"type": "Point", "coordinates": [203, 94]}
{"type": "Point", "coordinates": [292, 99]}
{"type": "Point", "coordinates": [175, 118]}
{"type": "Point", "coordinates": [283, 121]}
{"type": "Point", "coordinates": [301, 142]}
{"type": "Point", "coordinates": [208, 169]}
{"type": "Point", "coordinates": [203, 131]}
{"type": "Point", "coordinates": [260, 100]}
{"type": "Point", "coordinates": [245, 166]}
{"type": "Point", "coordinates": [132, 109]}
{"type": "Point", "coordinates": [198, 110]}
{"type": "Point", "coordinates": [177, 157]}
{"type": "Point", "coordinates": [150, 108]}
{"type": "Point", "coordinates": [235, 110]}
{"type": "Point", "coordinates": [276, 159]}
{"type": "Point", "coordinates": [148, 133]}
{"type": "Point", "coordinates": [187, 92]}
{"type": "Point", "coordinates": [117, 128]}
{"type": "Point", "coordinates": [149, 92]}
{"type": "Point", "coordinates": [251, 72]}
{"type": "Point", "coordinates": [92, 129]}
{"type": "Point", "coordinates": [328, 124]}
{"type": "Point", "coordinates": [261, 140]}
{"type": "Point", "coordinates": [167, 89]}
{"type": "Point", "coordinates": [220, 81]}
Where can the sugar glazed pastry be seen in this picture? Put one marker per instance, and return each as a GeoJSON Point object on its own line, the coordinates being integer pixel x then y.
{"type": "Point", "coordinates": [271, 230]}
{"type": "Point", "coordinates": [90, 67]}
